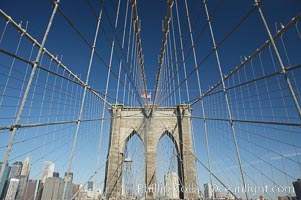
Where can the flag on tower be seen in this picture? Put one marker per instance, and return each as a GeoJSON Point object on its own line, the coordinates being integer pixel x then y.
{"type": "Point", "coordinates": [145, 95]}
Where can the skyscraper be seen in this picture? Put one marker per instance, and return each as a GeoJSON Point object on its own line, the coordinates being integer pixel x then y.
{"type": "Point", "coordinates": [56, 174]}
{"type": "Point", "coordinates": [31, 190]}
{"type": "Point", "coordinates": [53, 188]}
{"type": "Point", "coordinates": [26, 167]}
{"type": "Point", "coordinates": [171, 185]}
{"type": "Point", "coordinates": [70, 178]}
{"type": "Point", "coordinates": [69, 185]}
{"type": "Point", "coordinates": [297, 187]}
{"type": "Point", "coordinates": [208, 191]}
{"type": "Point", "coordinates": [12, 189]}
{"type": "Point", "coordinates": [4, 180]}
{"type": "Point", "coordinates": [15, 169]}
{"type": "Point", "coordinates": [75, 189]}
{"type": "Point", "coordinates": [90, 185]}
{"type": "Point", "coordinates": [21, 187]}
{"type": "Point", "coordinates": [40, 190]}
{"type": "Point", "coordinates": [47, 170]}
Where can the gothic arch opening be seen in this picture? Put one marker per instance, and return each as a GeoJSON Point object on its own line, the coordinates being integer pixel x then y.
{"type": "Point", "coordinates": [133, 166]}
{"type": "Point", "coordinates": [179, 160]}
{"type": "Point", "coordinates": [168, 168]}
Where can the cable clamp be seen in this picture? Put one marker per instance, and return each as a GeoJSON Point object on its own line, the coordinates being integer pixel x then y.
{"type": "Point", "coordinates": [284, 71]}
{"type": "Point", "coordinates": [13, 126]}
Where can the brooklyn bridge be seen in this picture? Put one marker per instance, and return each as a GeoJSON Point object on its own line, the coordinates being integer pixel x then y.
{"type": "Point", "coordinates": [161, 99]}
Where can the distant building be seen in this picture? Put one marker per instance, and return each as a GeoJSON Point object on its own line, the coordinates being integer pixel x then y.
{"type": "Point", "coordinates": [53, 188]}
{"type": "Point", "coordinates": [69, 186]}
{"type": "Point", "coordinates": [297, 187]}
{"type": "Point", "coordinates": [26, 167]}
{"type": "Point", "coordinates": [208, 191]}
{"type": "Point", "coordinates": [47, 170]}
{"type": "Point", "coordinates": [4, 180]}
{"type": "Point", "coordinates": [40, 190]}
{"type": "Point", "coordinates": [287, 198]}
{"type": "Point", "coordinates": [56, 174]}
{"type": "Point", "coordinates": [12, 189]}
{"type": "Point", "coordinates": [31, 190]}
{"type": "Point", "coordinates": [75, 190]}
{"type": "Point", "coordinates": [70, 178]}
{"type": "Point", "coordinates": [229, 196]}
{"type": "Point", "coordinates": [21, 187]}
{"type": "Point", "coordinates": [217, 195]}
{"type": "Point", "coordinates": [90, 194]}
{"type": "Point", "coordinates": [15, 169]}
{"type": "Point", "coordinates": [172, 185]}
{"type": "Point", "coordinates": [284, 198]}
{"type": "Point", "coordinates": [83, 194]}
{"type": "Point", "coordinates": [90, 185]}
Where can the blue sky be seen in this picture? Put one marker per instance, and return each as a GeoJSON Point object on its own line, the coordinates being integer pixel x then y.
{"type": "Point", "coordinates": [151, 14]}
{"type": "Point", "coordinates": [265, 100]}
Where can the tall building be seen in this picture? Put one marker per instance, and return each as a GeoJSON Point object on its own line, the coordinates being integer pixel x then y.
{"type": "Point", "coordinates": [70, 178]}
{"type": "Point", "coordinates": [4, 180]}
{"type": "Point", "coordinates": [40, 190]}
{"type": "Point", "coordinates": [56, 174]}
{"type": "Point", "coordinates": [15, 169]}
{"type": "Point", "coordinates": [21, 187]}
{"type": "Point", "coordinates": [31, 190]}
{"type": "Point", "coordinates": [208, 191]}
{"type": "Point", "coordinates": [53, 188]}
{"type": "Point", "coordinates": [26, 167]}
{"type": "Point", "coordinates": [75, 190]}
{"type": "Point", "coordinates": [171, 185]}
{"type": "Point", "coordinates": [69, 185]}
{"type": "Point", "coordinates": [90, 185]}
{"type": "Point", "coordinates": [217, 195]}
{"type": "Point", "coordinates": [12, 189]}
{"type": "Point", "coordinates": [297, 187]}
{"type": "Point", "coordinates": [47, 170]}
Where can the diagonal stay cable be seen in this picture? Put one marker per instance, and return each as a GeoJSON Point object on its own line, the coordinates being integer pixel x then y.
{"type": "Point", "coordinates": [162, 52]}
{"type": "Point", "coordinates": [249, 58]}
{"type": "Point", "coordinates": [217, 46]}
{"type": "Point", "coordinates": [115, 52]}
{"type": "Point", "coordinates": [54, 58]}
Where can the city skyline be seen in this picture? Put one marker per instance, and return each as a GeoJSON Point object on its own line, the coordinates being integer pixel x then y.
{"type": "Point", "coordinates": [122, 93]}
{"type": "Point", "coordinates": [49, 186]}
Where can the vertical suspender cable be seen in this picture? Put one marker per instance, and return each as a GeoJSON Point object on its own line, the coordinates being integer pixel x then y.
{"type": "Point", "coordinates": [162, 51]}
{"type": "Point", "coordinates": [106, 91]}
{"type": "Point", "coordinates": [139, 47]}
{"type": "Point", "coordinates": [200, 90]}
{"type": "Point", "coordinates": [82, 104]}
{"type": "Point", "coordinates": [172, 69]}
{"type": "Point", "coordinates": [122, 46]}
{"type": "Point", "coordinates": [182, 53]}
{"type": "Point", "coordinates": [176, 59]}
{"type": "Point", "coordinates": [127, 58]}
{"type": "Point", "coordinates": [284, 71]}
{"type": "Point", "coordinates": [226, 99]}
{"type": "Point", "coordinates": [34, 67]}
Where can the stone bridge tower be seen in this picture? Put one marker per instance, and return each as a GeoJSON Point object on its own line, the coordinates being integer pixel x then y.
{"type": "Point", "coordinates": [173, 121]}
